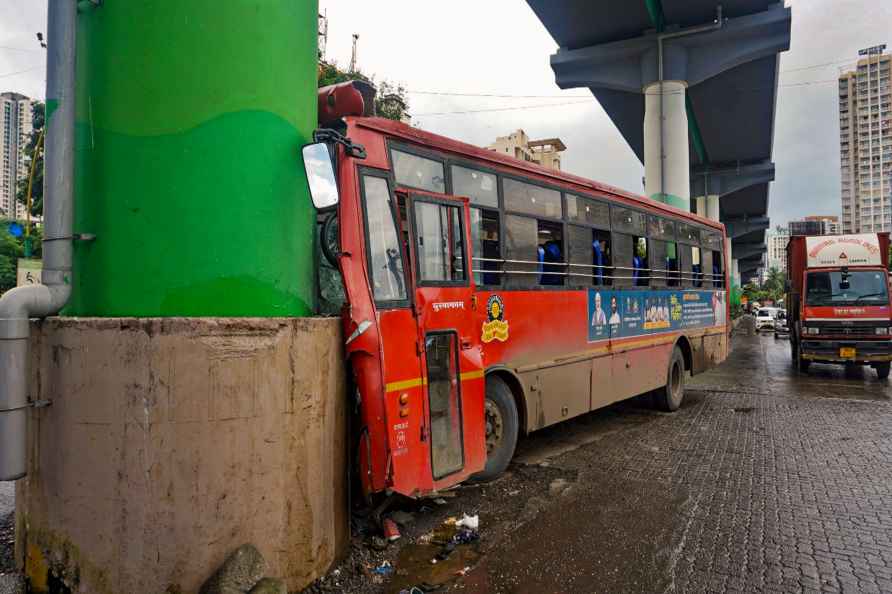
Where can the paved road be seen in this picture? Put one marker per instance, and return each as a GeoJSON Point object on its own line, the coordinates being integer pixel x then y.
{"type": "Point", "coordinates": [7, 498]}
{"type": "Point", "coordinates": [767, 480]}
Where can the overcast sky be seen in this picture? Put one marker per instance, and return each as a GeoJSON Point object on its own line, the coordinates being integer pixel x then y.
{"type": "Point", "coordinates": [499, 47]}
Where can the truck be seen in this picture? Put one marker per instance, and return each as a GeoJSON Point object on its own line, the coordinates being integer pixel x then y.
{"type": "Point", "coordinates": [838, 301]}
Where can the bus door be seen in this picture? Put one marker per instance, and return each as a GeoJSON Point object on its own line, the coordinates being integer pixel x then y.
{"type": "Point", "coordinates": [448, 336]}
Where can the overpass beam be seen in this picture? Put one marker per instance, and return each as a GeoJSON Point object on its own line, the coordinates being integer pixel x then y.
{"type": "Point", "coordinates": [740, 226]}
{"type": "Point", "coordinates": [723, 179]}
{"type": "Point", "coordinates": [747, 250]}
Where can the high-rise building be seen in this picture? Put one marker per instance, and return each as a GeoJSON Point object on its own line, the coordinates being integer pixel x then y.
{"type": "Point", "coordinates": [865, 138]}
{"type": "Point", "coordinates": [15, 129]}
{"type": "Point", "coordinates": [815, 225]}
{"type": "Point", "coordinates": [545, 152]}
{"type": "Point", "coordinates": [777, 249]}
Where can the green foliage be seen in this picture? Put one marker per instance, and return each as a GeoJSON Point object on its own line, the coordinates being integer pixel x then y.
{"type": "Point", "coordinates": [772, 288]}
{"type": "Point", "coordinates": [38, 115]}
{"type": "Point", "coordinates": [391, 100]}
{"type": "Point", "coordinates": [13, 248]}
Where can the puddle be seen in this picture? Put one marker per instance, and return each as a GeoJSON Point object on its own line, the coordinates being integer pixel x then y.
{"type": "Point", "coordinates": [413, 566]}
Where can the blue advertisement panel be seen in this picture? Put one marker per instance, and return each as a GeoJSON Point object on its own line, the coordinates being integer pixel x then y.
{"type": "Point", "coordinates": [620, 314]}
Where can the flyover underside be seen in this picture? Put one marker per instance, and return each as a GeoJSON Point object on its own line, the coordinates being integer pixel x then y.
{"type": "Point", "coordinates": [728, 70]}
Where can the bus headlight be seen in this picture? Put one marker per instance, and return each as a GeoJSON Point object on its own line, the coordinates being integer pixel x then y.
{"type": "Point", "coordinates": [812, 330]}
{"type": "Point", "coordinates": [884, 330]}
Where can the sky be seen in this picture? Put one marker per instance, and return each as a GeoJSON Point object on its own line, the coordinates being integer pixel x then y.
{"type": "Point", "coordinates": [499, 47]}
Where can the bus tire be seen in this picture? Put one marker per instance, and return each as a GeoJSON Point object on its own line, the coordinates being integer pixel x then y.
{"type": "Point", "coordinates": [883, 370]}
{"type": "Point", "coordinates": [502, 427]}
{"type": "Point", "coordinates": [670, 396]}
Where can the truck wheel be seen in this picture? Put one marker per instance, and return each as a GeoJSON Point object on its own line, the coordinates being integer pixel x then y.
{"type": "Point", "coordinates": [502, 427]}
{"type": "Point", "coordinates": [883, 370]}
{"type": "Point", "coordinates": [670, 396]}
{"type": "Point", "coordinates": [798, 361]}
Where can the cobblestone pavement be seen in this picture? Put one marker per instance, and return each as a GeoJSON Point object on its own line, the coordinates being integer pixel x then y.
{"type": "Point", "coordinates": [766, 480]}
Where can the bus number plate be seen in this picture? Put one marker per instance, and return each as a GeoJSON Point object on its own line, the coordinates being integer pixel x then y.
{"type": "Point", "coordinates": [847, 352]}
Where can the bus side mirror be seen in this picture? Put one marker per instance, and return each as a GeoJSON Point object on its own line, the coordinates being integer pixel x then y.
{"type": "Point", "coordinates": [320, 175]}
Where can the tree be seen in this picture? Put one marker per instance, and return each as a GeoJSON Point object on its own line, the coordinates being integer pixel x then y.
{"type": "Point", "coordinates": [11, 249]}
{"type": "Point", "coordinates": [391, 100]}
{"type": "Point", "coordinates": [38, 119]}
{"type": "Point", "coordinates": [774, 284]}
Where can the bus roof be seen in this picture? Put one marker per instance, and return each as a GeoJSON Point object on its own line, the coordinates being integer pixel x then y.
{"type": "Point", "coordinates": [443, 143]}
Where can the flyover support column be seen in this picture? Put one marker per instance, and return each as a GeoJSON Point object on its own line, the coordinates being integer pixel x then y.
{"type": "Point", "coordinates": [666, 158]}
{"type": "Point", "coordinates": [700, 206]}
{"type": "Point", "coordinates": [712, 207]}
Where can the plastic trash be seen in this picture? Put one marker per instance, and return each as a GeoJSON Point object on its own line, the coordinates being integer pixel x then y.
{"type": "Point", "coordinates": [384, 569]}
{"type": "Point", "coordinates": [472, 522]}
{"type": "Point", "coordinates": [465, 536]}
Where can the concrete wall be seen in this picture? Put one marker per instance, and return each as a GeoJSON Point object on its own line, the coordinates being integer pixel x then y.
{"type": "Point", "coordinates": [170, 442]}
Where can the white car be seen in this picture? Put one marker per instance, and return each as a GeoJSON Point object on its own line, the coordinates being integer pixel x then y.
{"type": "Point", "coordinates": [765, 318]}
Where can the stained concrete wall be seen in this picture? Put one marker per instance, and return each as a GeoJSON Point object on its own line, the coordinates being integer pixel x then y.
{"type": "Point", "coordinates": [170, 442]}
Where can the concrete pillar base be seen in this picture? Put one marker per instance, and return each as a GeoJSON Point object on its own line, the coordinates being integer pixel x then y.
{"type": "Point", "coordinates": [171, 442]}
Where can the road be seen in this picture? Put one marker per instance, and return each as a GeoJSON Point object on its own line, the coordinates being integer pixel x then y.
{"type": "Point", "coordinates": [7, 498]}
{"type": "Point", "coordinates": [767, 480]}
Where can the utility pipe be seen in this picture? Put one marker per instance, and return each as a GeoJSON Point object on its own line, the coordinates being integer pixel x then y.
{"type": "Point", "coordinates": [20, 304]}
{"type": "Point", "coordinates": [661, 37]}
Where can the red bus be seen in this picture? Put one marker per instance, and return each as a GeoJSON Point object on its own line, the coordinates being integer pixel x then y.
{"type": "Point", "coordinates": [484, 297]}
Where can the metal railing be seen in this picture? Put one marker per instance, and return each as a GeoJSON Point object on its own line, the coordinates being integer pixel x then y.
{"type": "Point", "coordinates": [668, 274]}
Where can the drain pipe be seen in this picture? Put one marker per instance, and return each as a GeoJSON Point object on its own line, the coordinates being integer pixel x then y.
{"type": "Point", "coordinates": [22, 303]}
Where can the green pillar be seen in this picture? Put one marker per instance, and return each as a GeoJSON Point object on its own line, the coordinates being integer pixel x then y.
{"type": "Point", "coordinates": [190, 119]}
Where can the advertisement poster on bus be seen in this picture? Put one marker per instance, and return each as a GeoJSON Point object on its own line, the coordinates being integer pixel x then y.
{"type": "Point", "coordinates": [620, 314]}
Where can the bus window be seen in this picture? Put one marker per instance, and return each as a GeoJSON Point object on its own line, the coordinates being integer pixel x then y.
{"type": "Point", "coordinates": [551, 252]}
{"type": "Point", "coordinates": [641, 271]}
{"type": "Point", "coordinates": [706, 268]}
{"type": "Point", "coordinates": [521, 251]}
{"type": "Point", "coordinates": [623, 259]}
{"type": "Point", "coordinates": [696, 267]}
{"type": "Point", "coordinates": [672, 264]}
{"type": "Point", "coordinates": [485, 247]}
{"type": "Point", "coordinates": [385, 260]}
{"type": "Point", "coordinates": [659, 274]}
{"type": "Point", "coordinates": [588, 256]}
{"type": "Point", "coordinates": [718, 273]}
{"type": "Point", "coordinates": [531, 199]}
{"type": "Point", "coordinates": [584, 210]}
{"type": "Point", "coordinates": [438, 242]}
{"type": "Point", "coordinates": [480, 187]}
{"type": "Point", "coordinates": [601, 259]}
{"type": "Point", "coordinates": [418, 172]}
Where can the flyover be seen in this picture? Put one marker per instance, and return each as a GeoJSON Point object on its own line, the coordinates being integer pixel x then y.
{"type": "Point", "coordinates": [692, 86]}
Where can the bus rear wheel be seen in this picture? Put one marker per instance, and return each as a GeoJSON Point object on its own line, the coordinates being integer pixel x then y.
{"type": "Point", "coordinates": [670, 396]}
{"type": "Point", "coordinates": [502, 427]}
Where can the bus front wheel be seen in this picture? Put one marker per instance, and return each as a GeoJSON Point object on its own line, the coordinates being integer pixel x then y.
{"type": "Point", "coordinates": [502, 427]}
{"type": "Point", "coordinates": [669, 397]}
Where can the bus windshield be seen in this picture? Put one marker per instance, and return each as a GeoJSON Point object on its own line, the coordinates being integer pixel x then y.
{"type": "Point", "coordinates": [863, 288]}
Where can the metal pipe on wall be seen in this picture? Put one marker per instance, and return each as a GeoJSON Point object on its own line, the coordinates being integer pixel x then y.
{"type": "Point", "coordinates": [20, 304]}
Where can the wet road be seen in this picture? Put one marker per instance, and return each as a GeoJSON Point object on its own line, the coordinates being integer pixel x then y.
{"type": "Point", "coordinates": [767, 480]}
